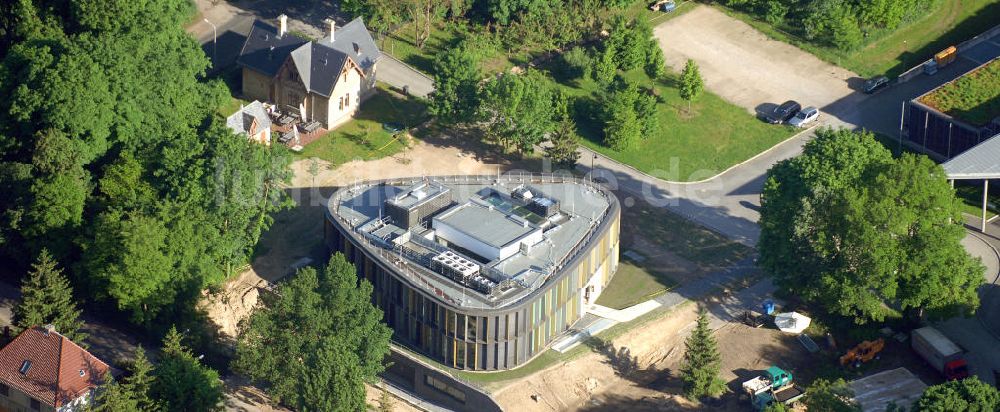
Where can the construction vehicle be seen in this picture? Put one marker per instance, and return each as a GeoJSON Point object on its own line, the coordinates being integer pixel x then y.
{"type": "Point", "coordinates": [940, 352]}
{"type": "Point", "coordinates": [774, 385]}
{"type": "Point", "coordinates": [863, 353]}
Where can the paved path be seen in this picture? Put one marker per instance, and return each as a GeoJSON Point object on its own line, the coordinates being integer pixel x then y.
{"type": "Point", "coordinates": [398, 74]}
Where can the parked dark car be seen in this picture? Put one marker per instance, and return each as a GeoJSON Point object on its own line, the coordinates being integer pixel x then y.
{"type": "Point", "coordinates": [782, 113]}
{"type": "Point", "coordinates": [875, 84]}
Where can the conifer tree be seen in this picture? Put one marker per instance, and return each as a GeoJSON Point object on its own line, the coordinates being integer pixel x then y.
{"type": "Point", "coordinates": [47, 298]}
{"type": "Point", "coordinates": [564, 142]}
{"type": "Point", "coordinates": [700, 371]}
{"type": "Point", "coordinates": [132, 394]}
{"type": "Point", "coordinates": [182, 382]}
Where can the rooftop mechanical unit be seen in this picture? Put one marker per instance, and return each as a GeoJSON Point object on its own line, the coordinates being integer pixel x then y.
{"type": "Point", "coordinates": [536, 201]}
{"type": "Point", "coordinates": [416, 204]}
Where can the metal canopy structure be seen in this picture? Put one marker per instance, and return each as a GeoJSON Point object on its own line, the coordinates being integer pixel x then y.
{"type": "Point", "coordinates": [980, 162]}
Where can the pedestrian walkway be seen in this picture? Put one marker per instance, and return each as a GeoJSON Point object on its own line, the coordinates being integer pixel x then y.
{"type": "Point", "coordinates": [728, 308]}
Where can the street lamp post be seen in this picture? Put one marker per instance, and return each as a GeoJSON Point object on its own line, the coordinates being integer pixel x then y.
{"type": "Point", "coordinates": [215, 38]}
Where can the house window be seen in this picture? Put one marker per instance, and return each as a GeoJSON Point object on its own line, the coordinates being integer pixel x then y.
{"type": "Point", "coordinates": [35, 404]}
{"type": "Point", "coordinates": [4, 389]}
{"type": "Point", "coordinates": [341, 103]}
{"type": "Point", "coordinates": [347, 100]}
{"type": "Point", "coordinates": [345, 76]}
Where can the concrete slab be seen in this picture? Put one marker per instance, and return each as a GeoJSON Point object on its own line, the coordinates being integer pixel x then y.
{"type": "Point", "coordinates": [898, 385]}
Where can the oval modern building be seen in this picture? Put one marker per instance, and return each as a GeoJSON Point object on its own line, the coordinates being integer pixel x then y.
{"type": "Point", "coordinates": [478, 272]}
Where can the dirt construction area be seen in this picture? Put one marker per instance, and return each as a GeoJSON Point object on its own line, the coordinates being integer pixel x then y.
{"type": "Point", "coordinates": [638, 371]}
{"type": "Point", "coordinates": [745, 67]}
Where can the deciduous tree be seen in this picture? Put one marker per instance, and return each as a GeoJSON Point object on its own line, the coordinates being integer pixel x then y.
{"type": "Point", "coordinates": [861, 234]}
{"type": "Point", "coordinates": [966, 395]}
{"type": "Point", "coordinates": [830, 396]}
{"type": "Point", "coordinates": [456, 82]}
{"type": "Point", "coordinates": [317, 341]}
{"type": "Point", "coordinates": [516, 110]}
{"type": "Point", "coordinates": [691, 82]}
{"type": "Point", "coordinates": [563, 144]}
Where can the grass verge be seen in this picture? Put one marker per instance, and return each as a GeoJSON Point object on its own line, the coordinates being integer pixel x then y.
{"type": "Point", "coordinates": [632, 284]}
{"type": "Point", "coordinates": [949, 22]}
{"type": "Point", "coordinates": [364, 137]}
{"type": "Point", "coordinates": [688, 240]}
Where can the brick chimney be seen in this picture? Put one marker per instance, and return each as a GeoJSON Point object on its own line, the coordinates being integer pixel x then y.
{"type": "Point", "coordinates": [282, 25]}
{"type": "Point", "coordinates": [333, 28]}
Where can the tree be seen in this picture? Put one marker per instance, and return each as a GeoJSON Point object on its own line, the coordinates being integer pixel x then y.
{"type": "Point", "coordinates": [691, 83]}
{"type": "Point", "coordinates": [182, 383]}
{"type": "Point", "coordinates": [605, 67]}
{"type": "Point", "coordinates": [834, 23]}
{"type": "Point", "coordinates": [130, 395]}
{"type": "Point", "coordinates": [424, 14]}
{"type": "Point", "coordinates": [317, 341]}
{"type": "Point", "coordinates": [646, 112]}
{"type": "Point", "coordinates": [654, 66]}
{"type": "Point", "coordinates": [386, 403]}
{"type": "Point", "coordinates": [577, 63]}
{"type": "Point", "coordinates": [47, 298]}
{"type": "Point", "coordinates": [456, 79]}
{"type": "Point", "coordinates": [516, 110]}
{"type": "Point", "coordinates": [847, 227]}
{"type": "Point", "coordinates": [623, 130]}
{"type": "Point", "coordinates": [775, 407]}
{"type": "Point", "coordinates": [113, 92]}
{"type": "Point", "coordinates": [966, 395]}
{"type": "Point", "coordinates": [827, 396]}
{"type": "Point", "coordinates": [700, 370]}
{"type": "Point", "coordinates": [563, 144]}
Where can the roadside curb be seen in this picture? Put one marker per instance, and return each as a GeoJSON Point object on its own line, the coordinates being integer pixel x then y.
{"type": "Point", "coordinates": [730, 168]}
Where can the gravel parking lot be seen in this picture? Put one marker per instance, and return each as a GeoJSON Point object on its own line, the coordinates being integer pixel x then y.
{"type": "Point", "coordinates": [743, 66]}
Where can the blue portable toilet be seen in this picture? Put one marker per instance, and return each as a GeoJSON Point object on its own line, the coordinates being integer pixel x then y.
{"type": "Point", "coordinates": [769, 307]}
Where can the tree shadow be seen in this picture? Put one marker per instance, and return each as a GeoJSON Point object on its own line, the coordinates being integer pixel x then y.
{"type": "Point", "coordinates": [621, 359]}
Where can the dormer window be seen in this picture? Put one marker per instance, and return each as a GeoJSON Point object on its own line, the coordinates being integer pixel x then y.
{"type": "Point", "coordinates": [25, 366]}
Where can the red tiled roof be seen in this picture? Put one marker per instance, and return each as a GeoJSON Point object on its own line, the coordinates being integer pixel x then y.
{"type": "Point", "coordinates": [54, 377]}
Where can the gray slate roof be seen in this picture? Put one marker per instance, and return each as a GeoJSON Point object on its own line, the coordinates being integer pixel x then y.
{"type": "Point", "coordinates": [353, 39]}
{"type": "Point", "coordinates": [319, 67]}
{"type": "Point", "coordinates": [264, 50]}
{"type": "Point", "coordinates": [240, 121]}
{"type": "Point", "coordinates": [318, 63]}
{"type": "Point", "coordinates": [979, 162]}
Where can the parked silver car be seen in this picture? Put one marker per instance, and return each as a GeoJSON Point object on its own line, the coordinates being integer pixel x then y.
{"type": "Point", "coordinates": [804, 117]}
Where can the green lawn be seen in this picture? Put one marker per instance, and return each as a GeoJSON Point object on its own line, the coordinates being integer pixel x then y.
{"type": "Point", "coordinates": [949, 22]}
{"type": "Point", "coordinates": [668, 231]}
{"type": "Point", "coordinates": [974, 97]}
{"type": "Point", "coordinates": [972, 199]}
{"type": "Point", "coordinates": [364, 137]}
{"type": "Point", "coordinates": [633, 284]}
{"type": "Point", "coordinates": [691, 146]}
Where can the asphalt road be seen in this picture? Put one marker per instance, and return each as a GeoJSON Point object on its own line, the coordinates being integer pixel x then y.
{"type": "Point", "coordinates": [729, 202]}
